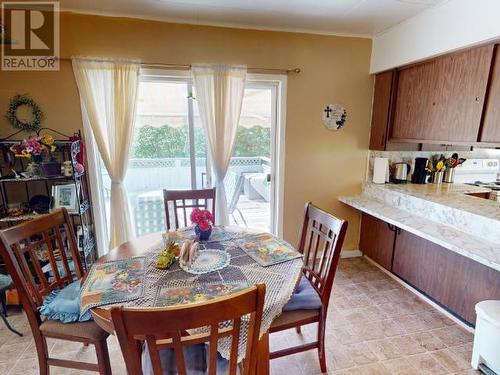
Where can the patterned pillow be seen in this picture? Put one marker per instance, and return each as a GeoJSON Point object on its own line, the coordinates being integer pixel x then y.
{"type": "Point", "coordinates": [64, 305]}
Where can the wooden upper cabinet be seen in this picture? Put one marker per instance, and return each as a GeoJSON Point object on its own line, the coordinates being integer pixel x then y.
{"type": "Point", "coordinates": [381, 109]}
{"type": "Point", "coordinates": [491, 125]}
{"type": "Point", "coordinates": [442, 100]}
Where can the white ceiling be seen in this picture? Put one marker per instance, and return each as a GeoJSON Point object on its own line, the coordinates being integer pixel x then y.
{"type": "Point", "coordinates": [341, 17]}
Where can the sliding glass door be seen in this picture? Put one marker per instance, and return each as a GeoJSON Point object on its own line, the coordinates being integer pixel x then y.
{"type": "Point", "coordinates": [169, 152]}
{"type": "Point", "coordinates": [251, 169]}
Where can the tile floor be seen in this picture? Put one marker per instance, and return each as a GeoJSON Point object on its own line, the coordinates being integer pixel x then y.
{"type": "Point", "coordinates": [375, 326]}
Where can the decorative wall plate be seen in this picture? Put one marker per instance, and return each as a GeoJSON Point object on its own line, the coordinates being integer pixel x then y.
{"type": "Point", "coordinates": [209, 260]}
{"type": "Point", "coordinates": [334, 116]}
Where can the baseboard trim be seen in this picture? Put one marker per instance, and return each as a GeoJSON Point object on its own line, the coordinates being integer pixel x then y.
{"type": "Point", "coordinates": [350, 253]}
{"type": "Point", "coordinates": [423, 297]}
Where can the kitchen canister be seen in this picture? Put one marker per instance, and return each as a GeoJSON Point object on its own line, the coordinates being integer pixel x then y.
{"type": "Point", "coordinates": [437, 177]}
{"type": "Point", "coordinates": [449, 175]}
{"type": "Point", "coordinates": [380, 170]}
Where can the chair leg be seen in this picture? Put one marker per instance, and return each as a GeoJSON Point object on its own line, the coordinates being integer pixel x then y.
{"type": "Point", "coordinates": [242, 217]}
{"type": "Point", "coordinates": [101, 349]}
{"type": "Point", "coordinates": [3, 302]}
{"type": "Point", "coordinates": [321, 342]}
{"type": "Point", "coordinates": [298, 329]}
{"type": "Point", "coordinates": [43, 353]}
{"type": "Point", "coordinates": [3, 313]}
{"type": "Point", "coordinates": [9, 327]}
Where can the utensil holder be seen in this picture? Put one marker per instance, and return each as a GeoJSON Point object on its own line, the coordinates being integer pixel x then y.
{"type": "Point", "coordinates": [437, 177]}
{"type": "Point", "coordinates": [449, 175]}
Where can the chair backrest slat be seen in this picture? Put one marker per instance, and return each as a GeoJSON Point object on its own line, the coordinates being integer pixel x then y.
{"type": "Point", "coordinates": [185, 201]}
{"type": "Point", "coordinates": [33, 251]}
{"type": "Point", "coordinates": [235, 342]}
{"type": "Point", "coordinates": [321, 241]}
{"type": "Point", "coordinates": [155, 354]}
{"type": "Point", "coordinates": [52, 260]}
{"type": "Point", "coordinates": [166, 327]}
{"type": "Point", "coordinates": [212, 347]}
{"type": "Point", "coordinates": [179, 353]}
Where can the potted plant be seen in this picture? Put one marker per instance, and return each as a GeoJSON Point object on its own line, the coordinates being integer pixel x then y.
{"type": "Point", "coordinates": [40, 150]}
{"type": "Point", "coordinates": [203, 220]}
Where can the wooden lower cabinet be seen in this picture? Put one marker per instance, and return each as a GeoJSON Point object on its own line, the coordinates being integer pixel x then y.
{"type": "Point", "coordinates": [377, 240]}
{"type": "Point", "coordinates": [454, 281]}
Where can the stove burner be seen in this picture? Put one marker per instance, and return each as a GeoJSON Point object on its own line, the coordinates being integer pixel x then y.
{"type": "Point", "coordinates": [495, 185]}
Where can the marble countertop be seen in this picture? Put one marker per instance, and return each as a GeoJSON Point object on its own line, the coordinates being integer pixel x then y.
{"type": "Point", "coordinates": [452, 195]}
{"type": "Point", "coordinates": [443, 214]}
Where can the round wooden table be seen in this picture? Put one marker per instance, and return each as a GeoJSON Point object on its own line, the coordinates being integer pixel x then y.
{"type": "Point", "coordinates": [142, 246]}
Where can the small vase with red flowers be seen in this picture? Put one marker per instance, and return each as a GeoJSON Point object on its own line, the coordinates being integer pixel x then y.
{"type": "Point", "coordinates": [203, 220]}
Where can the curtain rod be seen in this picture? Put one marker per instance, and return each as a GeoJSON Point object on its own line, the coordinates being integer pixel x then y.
{"type": "Point", "coordinates": [188, 67]}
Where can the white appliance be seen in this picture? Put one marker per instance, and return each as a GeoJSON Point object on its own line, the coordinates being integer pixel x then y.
{"type": "Point", "coordinates": [487, 337]}
{"type": "Point", "coordinates": [477, 170]}
{"type": "Point", "coordinates": [480, 172]}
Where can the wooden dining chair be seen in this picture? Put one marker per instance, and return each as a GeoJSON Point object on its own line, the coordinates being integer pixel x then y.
{"type": "Point", "coordinates": [24, 248]}
{"type": "Point", "coordinates": [185, 201]}
{"type": "Point", "coordinates": [321, 240]}
{"type": "Point", "coordinates": [171, 350]}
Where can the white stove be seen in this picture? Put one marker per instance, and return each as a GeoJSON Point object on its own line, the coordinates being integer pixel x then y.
{"type": "Point", "coordinates": [481, 172]}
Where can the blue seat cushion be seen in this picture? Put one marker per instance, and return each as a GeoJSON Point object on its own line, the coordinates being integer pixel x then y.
{"type": "Point", "coordinates": [5, 281]}
{"type": "Point", "coordinates": [304, 297]}
{"type": "Point", "coordinates": [64, 305]}
{"type": "Point", "coordinates": [195, 357]}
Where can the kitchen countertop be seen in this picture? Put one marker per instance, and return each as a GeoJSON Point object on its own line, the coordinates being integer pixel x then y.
{"type": "Point", "coordinates": [443, 214]}
{"type": "Point", "coordinates": [452, 195]}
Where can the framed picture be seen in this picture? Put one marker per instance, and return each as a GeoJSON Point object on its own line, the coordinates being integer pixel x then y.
{"type": "Point", "coordinates": [66, 196]}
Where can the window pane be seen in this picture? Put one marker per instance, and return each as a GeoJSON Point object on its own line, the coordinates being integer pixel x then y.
{"type": "Point", "coordinates": [160, 155]}
{"type": "Point", "coordinates": [250, 165]}
{"type": "Point", "coordinates": [200, 147]}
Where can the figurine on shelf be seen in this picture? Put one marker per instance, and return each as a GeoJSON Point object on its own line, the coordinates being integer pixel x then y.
{"type": "Point", "coordinates": [67, 168]}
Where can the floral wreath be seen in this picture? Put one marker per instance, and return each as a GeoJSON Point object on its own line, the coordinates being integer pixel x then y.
{"type": "Point", "coordinates": [20, 100]}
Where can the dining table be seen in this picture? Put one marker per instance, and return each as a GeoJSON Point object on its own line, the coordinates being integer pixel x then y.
{"type": "Point", "coordinates": [280, 278]}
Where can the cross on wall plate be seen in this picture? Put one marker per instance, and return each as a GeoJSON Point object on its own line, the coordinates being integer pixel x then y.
{"type": "Point", "coordinates": [334, 116]}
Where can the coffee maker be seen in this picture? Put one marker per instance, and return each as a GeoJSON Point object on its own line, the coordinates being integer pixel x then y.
{"type": "Point", "coordinates": [420, 171]}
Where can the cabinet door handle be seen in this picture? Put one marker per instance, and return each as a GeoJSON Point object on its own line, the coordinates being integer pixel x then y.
{"type": "Point", "coordinates": [394, 228]}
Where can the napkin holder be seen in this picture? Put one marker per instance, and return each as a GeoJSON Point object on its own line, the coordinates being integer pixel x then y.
{"type": "Point", "coordinates": [189, 252]}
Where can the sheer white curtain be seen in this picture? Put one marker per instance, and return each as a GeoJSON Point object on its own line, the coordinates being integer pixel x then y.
{"type": "Point", "coordinates": [219, 91]}
{"type": "Point", "coordinates": [108, 95]}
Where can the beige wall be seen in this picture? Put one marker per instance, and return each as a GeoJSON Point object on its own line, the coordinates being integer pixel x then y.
{"type": "Point", "coordinates": [319, 165]}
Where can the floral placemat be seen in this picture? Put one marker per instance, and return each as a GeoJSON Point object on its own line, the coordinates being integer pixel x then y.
{"type": "Point", "coordinates": [113, 282]}
{"type": "Point", "coordinates": [267, 250]}
{"type": "Point", "coordinates": [194, 293]}
{"type": "Point", "coordinates": [219, 234]}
